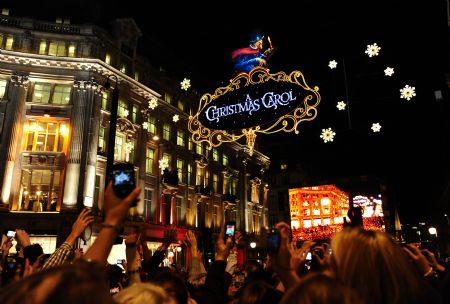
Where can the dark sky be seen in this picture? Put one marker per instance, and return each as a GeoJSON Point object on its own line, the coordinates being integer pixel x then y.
{"type": "Point", "coordinates": [411, 153]}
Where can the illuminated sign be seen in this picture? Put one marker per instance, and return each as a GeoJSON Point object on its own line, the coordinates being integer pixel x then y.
{"type": "Point", "coordinates": [257, 102]}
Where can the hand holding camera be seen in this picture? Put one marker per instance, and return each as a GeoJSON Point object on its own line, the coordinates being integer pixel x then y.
{"type": "Point", "coordinates": [123, 180]}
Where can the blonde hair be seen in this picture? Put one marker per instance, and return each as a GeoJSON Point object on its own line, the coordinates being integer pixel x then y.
{"type": "Point", "coordinates": [143, 293]}
{"type": "Point", "coordinates": [376, 267]}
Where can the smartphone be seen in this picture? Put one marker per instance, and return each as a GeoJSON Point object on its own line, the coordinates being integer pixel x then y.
{"type": "Point", "coordinates": [11, 233]}
{"type": "Point", "coordinates": [230, 230]}
{"type": "Point", "coordinates": [273, 241]}
{"type": "Point", "coordinates": [123, 180]}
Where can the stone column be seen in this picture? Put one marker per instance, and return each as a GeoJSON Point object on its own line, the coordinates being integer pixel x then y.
{"type": "Point", "coordinates": [91, 141]}
{"type": "Point", "coordinates": [82, 95]}
{"type": "Point", "coordinates": [11, 134]}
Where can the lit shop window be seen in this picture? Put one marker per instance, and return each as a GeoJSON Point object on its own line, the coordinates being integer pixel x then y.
{"type": "Point", "coordinates": [44, 136]}
{"type": "Point", "coordinates": [39, 190]}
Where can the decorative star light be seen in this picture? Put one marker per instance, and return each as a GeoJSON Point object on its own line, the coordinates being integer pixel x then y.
{"type": "Point", "coordinates": [125, 113]}
{"type": "Point", "coordinates": [327, 135]}
{"type": "Point", "coordinates": [185, 84]}
{"type": "Point", "coordinates": [153, 103]}
{"type": "Point", "coordinates": [145, 125]}
{"type": "Point", "coordinates": [163, 164]}
{"type": "Point", "coordinates": [407, 92]}
{"type": "Point", "coordinates": [376, 127]}
{"type": "Point", "coordinates": [332, 64]}
{"type": "Point", "coordinates": [389, 71]}
{"type": "Point", "coordinates": [176, 118]}
{"type": "Point", "coordinates": [341, 105]}
{"type": "Point", "coordinates": [372, 50]}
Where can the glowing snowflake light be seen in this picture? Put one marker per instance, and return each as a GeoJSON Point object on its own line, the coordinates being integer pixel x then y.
{"type": "Point", "coordinates": [372, 50]}
{"type": "Point", "coordinates": [145, 125]}
{"type": "Point", "coordinates": [125, 113]}
{"type": "Point", "coordinates": [389, 71]}
{"type": "Point", "coordinates": [332, 64]}
{"type": "Point", "coordinates": [153, 103]}
{"type": "Point", "coordinates": [341, 105]}
{"type": "Point", "coordinates": [376, 127]}
{"type": "Point", "coordinates": [185, 84]}
{"type": "Point", "coordinates": [163, 164]}
{"type": "Point", "coordinates": [176, 118]}
{"type": "Point", "coordinates": [407, 92]}
{"type": "Point", "coordinates": [327, 135]}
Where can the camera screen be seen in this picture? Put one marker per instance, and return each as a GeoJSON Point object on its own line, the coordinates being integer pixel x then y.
{"type": "Point", "coordinates": [309, 256]}
{"type": "Point", "coordinates": [11, 233]}
{"type": "Point", "coordinates": [122, 178]}
{"type": "Point", "coordinates": [229, 230]}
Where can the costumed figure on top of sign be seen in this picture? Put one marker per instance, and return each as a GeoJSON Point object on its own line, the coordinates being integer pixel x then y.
{"type": "Point", "coordinates": [245, 59]}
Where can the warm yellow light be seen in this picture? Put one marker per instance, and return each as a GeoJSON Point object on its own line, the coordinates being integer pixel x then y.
{"type": "Point", "coordinates": [38, 193]}
{"type": "Point", "coordinates": [156, 137]}
{"type": "Point", "coordinates": [32, 127]}
{"type": "Point", "coordinates": [63, 129]}
{"type": "Point", "coordinates": [252, 245]}
{"type": "Point", "coordinates": [432, 231]}
{"type": "Point", "coordinates": [25, 192]}
{"type": "Point", "coordinates": [179, 249]}
{"type": "Point", "coordinates": [46, 115]}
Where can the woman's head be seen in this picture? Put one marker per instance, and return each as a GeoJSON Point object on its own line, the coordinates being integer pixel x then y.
{"type": "Point", "coordinates": [376, 267]}
{"type": "Point", "coordinates": [143, 293]}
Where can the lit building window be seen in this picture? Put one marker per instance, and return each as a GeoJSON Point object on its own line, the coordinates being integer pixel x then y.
{"type": "Point", "coordinates": [3, 84]}
{"type": "Point", "coordinates": [123, 68]}
{"type": "Point", "coordinates": [224, 160]}
{"type": "Point", "coordinates": [234, 188]}
{"type": "Point", "coordinates": [294, 224]}
{"type": "Point", "coordinates": [180, 138]}
{"type": "Point", "coordinates": [149, 160]}
{"type": "Point", "coordinates": [180, 105]}
{"type": "Point", "coordinates": [71, 52]}
{"type": "Point", "coordinates": [180, 168]}
{"type": "Point", "coordinates": [134, 113]}
{"type": "Point", "coordinates": [317, 222]}
{"type": "Point", "coordinates": [283, 166]}
{"type": "Point", "coordinates": [43, 48]}
{"type": "Point", "coordinates": [168, 158]}
{"type": "Point", "coordinates": [5, 11]}
{"type": "Point", "coordinates": [61, 95]}
{"type": "Point", "coordinates": [168, 98]}
{"type": "Point", "coordinates": [316, 212]}
{"type": "Point", "coordinates": [57, 48]}
{"type": "Point", "coordinates": [190, 144]}
{"type": "Point", "coordinates": [101, 140]}
{"type": "Point", "coordinates": [326, 221]}
{"type": "Point", "coordinates": [45, 136]}
{"type": "Point", "coordinates": [306, 223]}
{"type": "Point", "coordinates": [215, 182]}
{"type": "Point", "coordinates": [41, 92]}
{"type": "Point", "coordinates": [105, 99]}
{"type": "Point", "coordinates": [306, 212]}
{"type": "Point", "coordinates": [207, 178]}
{"type": "Point", "coordinates": [108, 59]}
{"type": "Point", "coordinates": [215, 155]}
{"type": "Point", "coordinates": [1, 41]}
{"type": "Point", "coordinates": [305, 204]}
{"type": "Point", "coordinates": [151, 125]}
{"type": "Point", "coordinates": [118, 146]}
{"type": "Point", "coordinates": [122, 109]}
{"type": "Point", "coordinates": [199, 149]}
{"type": "Point", "coordinates": [136, 76]}
{"type": "Point", "coordinates": [148, 194]}
{"type": "Point", "coordinates": [9, 43]}
{"type": "Point", "coordinates": [40, 190]}
{"type": "Point", "coordinates": [190, 174]}
{"type": "Point", "coordinates": [166, 131]}
{"type": "Point", "coordinates": [131, 146]}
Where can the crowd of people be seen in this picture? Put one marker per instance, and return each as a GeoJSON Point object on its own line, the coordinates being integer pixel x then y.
{"type": "Point", "coordinates": [357, 266]}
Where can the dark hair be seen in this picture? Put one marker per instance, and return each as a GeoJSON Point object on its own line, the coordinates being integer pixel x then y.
{"type": "Point", "coordinates": [177, 287]}
{"type": "Point", "coordinates": [81, 282]}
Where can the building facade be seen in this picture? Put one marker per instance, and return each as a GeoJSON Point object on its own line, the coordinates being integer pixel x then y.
{"type": "Point", "coordinates": [54, 130]}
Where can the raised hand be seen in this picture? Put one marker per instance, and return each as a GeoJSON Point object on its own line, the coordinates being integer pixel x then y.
{"type": "Point", "coordinates": [84, 219]}
{"type": "Point", "coordinates": [116, 208]}
{"type": "Point", "coordinates": [222, 247]}
{"type": "Point", "coordinates": [418, 259]}
{"type": "Point", "coordinates": [299, 254]}
{"type": "Point", "coordinates": [432, 260]}
{"type": "Point", "coordinates": [22, 238]}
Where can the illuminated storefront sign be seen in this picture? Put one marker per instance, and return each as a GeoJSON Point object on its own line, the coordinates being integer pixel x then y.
{"type": "Point", "coordinates": [257, 102]}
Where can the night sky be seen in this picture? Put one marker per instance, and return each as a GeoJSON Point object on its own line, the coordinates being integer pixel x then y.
{"type": "Point", "coordinates": [411, 153]}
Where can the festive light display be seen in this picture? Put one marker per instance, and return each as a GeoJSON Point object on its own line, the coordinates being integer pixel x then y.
{"type": "Point", "coordinates": [317, 213]}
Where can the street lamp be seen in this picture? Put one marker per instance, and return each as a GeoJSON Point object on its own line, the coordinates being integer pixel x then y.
{"type": "Point", "coordinates": [112, 125]}
{"type": "Point", "coordinates": [432, 231]}
{"type": "Point", "coordinates": [253, 245]}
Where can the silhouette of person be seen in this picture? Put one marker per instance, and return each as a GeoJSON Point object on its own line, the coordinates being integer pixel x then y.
{"type": "Point", "coordinates": [245, 59]}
